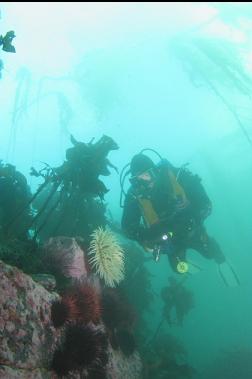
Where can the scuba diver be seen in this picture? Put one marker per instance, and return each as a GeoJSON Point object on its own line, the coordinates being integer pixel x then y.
{"type": "Point", "coordinates": [164, 211]}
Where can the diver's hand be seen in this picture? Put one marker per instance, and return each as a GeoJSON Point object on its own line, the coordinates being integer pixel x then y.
{"type": "Point", "coordinates": [147, 247]}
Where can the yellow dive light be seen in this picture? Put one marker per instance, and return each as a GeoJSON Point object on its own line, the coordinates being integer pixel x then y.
{"type": "Point", "coordinates": [182, 267]}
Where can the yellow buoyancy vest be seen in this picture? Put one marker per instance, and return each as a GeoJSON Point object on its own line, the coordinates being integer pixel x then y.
{"type": "Point", "coordinates": [177, 189]}
{"type": "Point", "coordinates": [149, 214]}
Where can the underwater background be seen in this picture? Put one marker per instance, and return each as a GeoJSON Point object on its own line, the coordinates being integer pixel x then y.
{"type": "Point", "coordinates": [173, 77]}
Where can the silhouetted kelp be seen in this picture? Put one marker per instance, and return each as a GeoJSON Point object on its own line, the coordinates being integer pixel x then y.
{"type": "Point", "coordinates": [6, 44]}
{"type": "Point", "coordinates": [73, 188]}
{"type": "Point", "coordinates": [216, 64]}
{"type": "Point", "coordinates": [14, 195]}
{"type": "Point", "coordinates": [178, 298]}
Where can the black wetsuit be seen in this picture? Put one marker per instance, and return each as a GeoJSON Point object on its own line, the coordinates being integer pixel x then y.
{"type": "Point", "coordinates": [186, 223]}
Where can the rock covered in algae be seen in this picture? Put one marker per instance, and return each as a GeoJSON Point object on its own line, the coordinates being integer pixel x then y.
{"type": "Point", "coordinates": [28, 339]}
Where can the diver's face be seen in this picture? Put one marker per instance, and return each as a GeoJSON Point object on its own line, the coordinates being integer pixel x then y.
{"type": "Point", "coordinates": [144, 180]}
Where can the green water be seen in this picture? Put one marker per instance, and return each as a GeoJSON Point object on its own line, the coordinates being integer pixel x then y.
{"type": "Point", "coordinates": [173, 77]}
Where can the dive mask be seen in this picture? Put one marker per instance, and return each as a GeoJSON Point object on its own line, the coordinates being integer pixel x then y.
{"type": "Point", "coordinates": [145, 178]}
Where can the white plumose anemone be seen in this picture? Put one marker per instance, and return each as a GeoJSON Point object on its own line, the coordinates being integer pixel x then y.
{"type": "Point", "coordinates": [106, 257]}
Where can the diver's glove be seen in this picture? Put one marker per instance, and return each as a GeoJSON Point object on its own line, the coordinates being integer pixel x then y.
{"type": "Point", "coordinates": [162, 245]}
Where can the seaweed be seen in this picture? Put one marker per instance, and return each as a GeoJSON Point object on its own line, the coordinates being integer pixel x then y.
{"type": "Point", "coordinates": [14, 195]}
{"type": "Point", "coordinates": [6, 45]}
{"type": "Point", "coordinates": [73, 189]}
{"type": "Point", "coordinates": [216, 64]}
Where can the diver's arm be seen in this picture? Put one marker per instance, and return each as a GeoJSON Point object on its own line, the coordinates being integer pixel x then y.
{"type": "Point", "coordinates": [133, 230]}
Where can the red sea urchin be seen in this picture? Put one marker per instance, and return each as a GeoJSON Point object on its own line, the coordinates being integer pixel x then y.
{"type": "Point", "coordinates": [89, 304]}
{"type": "Point", "coordinates": [84, 303]}
{"type": "Point", "coordinates": [84, 347]}
{"type": "Point", "coordinates": [81, 302]}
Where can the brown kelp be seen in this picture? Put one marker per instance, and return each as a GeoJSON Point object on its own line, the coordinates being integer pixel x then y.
{"type": "Point", "coordinates": [178, 298]}
{"type": "Point", "coordinates": [217, 64]}
{"type": "Point", "coordinates": [6, 45]}
{"type": "Point", "coordinates": [14, 195]}
{"type": "Point", "coordinates": [74, 188]}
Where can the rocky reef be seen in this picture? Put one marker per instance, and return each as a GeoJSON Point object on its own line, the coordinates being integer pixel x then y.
{"type": "Point", "coordinates": [29, 340]}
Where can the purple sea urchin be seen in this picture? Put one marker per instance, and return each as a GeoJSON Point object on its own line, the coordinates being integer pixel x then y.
{"type": "Point", "coordinates": [59, 313]}
{"type": "Point", "coordinates": [80, 345]}
{"type": "Point", "coordinates": [84, 347]}
{"type": "Point", "coordinates": [60, 363]}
